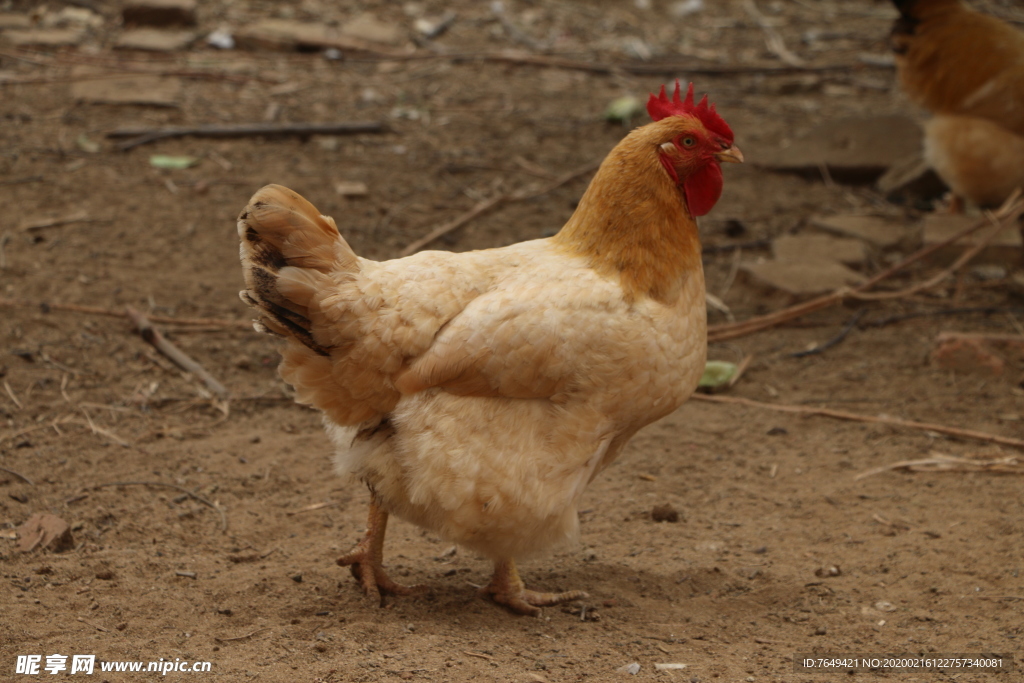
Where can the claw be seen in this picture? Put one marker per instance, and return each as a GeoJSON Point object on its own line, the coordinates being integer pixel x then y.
{"type": "Point", "coordinates": [506, 588]}
{"type": "Point", "coordinates": [366, 560]}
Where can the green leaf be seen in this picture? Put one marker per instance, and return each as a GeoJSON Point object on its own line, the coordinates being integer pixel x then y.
{"type": "Point", "coordinates": [623, 109]}
{"type": "Point", "coordinates": [166, 161]}
{"type": "Point", "coordinates": [717, 374]}
{"type": "Point", "coordinates": [87, 145]}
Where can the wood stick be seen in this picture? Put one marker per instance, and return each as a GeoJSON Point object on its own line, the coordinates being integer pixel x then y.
{"type": "Point", "coordinates": [1010, 211]}
{"type": "Point", "coordinates": [96, 310]}
{"type": "Point", "coordinates": [202, 499]}
{"type": "Point", "coordinates": [647, 69]}
{"type": "Point", "coordinates": [141, 136]}
{"type": "Point", "coordinates": [63, 220]}
{"type": "Point", "coordinates": [488, 204]}
{"type": "Point", "coordinates": [854, 417]}
{"type": "Point", "coordinates": [247, 635]}
{"type": "Point", "coordinates": [481, 208]}
{"type": "Point", "coordinates": [19, 181]}
{"type": "Point", "coordinates": [19, 475]}
{"type": "Point", "coordinates": [180, 358]}
{"type": "Point", "coordinates": [939, 462]}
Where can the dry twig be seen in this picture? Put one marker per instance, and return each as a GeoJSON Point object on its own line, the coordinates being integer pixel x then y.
{"type": "Point", "coordinates": [246, 636]}
{"type": "Point", "coordinates": [854, 417]}
{"type": "Point", "coordinates": [180, 358]}
{"type": "Point", "coordinates": [1009, 212]}
{"type": "Point", "coordinates": [940, 462]}
{"type": "Point", "coordinates": [142, 136]}
{"type": "Point", "coordinates": [96, 310]}
{"type": "Point", "coordinates": [488, 204]}
{"type": "Point", "coordinates": [202, 499]}
{"type": "Point", "coordinates": [19, 475]}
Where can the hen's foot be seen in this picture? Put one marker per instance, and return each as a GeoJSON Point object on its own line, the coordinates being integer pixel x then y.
{"type": "Point", "coordinates": [370, 574]}
{"type": "Point", "coordinates": [366, 560]}
{"type": "Point", "coordinates": [506, 588]}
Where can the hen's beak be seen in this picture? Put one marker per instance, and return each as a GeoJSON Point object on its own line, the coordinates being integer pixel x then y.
{"type": "Point", "coordinates": [732, 155]}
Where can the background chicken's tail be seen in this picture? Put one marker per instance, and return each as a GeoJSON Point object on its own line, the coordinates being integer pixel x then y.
{"type": "Point", "coordinates": [289, 253]}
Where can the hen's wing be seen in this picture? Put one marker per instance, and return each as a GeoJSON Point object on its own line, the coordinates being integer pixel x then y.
{"type": "Point", "coordinates": [517, 322]}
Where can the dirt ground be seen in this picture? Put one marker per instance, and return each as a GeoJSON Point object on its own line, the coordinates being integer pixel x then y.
{"type": "Point", "coordinates": [778, 548]}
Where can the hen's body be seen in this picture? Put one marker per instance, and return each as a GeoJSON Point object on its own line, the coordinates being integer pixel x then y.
{"type": "Point", "coordinates": [477, 394]}
{"type": "Point", "coordinates": [502, 475]}
{"type": "Point", "coordinates": [967, 69]}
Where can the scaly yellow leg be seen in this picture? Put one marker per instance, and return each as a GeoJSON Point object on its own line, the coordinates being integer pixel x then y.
{"type": "Point", "coordinates": [506, 588]}
{"type": "Point", "coordinates": [366, 559]}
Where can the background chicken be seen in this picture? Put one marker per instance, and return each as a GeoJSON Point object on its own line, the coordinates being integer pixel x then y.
{"type": "Point", "coordinates": [967, 68]}
{"type": "Point", "coordinates": [477, 394]}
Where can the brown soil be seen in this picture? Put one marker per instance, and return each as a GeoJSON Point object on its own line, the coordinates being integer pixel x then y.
{"type": "Point", "coordinates": [767, 501]}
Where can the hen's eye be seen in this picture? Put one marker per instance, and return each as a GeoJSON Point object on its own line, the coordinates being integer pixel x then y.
{"type": "Point", "coordinates": [689, 141]}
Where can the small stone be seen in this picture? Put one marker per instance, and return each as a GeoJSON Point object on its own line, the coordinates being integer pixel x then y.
{"type": "Point", "coordinates": [10, 20]}
{"type": "Point", "coordinates": [154, 40]}
{"type": "Point", "coordinates": [367, 27]}
{"type": "Point", "coordinates": [877, 230]}
{"type": "Point", "coordinates": [965, 354]}
{"type": "Point", "coordinates": [818, 248]}
{"type": "Point", "coordinates": [831, 570]}
{"type": "Point", "coordinates": [44, 530]}
{"type": "Point", "coordinates": [803, 279]}
{"type": "Point", "coordinates": [664, 513]}
{"type": "Point", "coordinates": [57, 37]}
{"type": "Point", "coordinates": [633, 668]}
{"type": "Point", "coordinates": [1005, 249]}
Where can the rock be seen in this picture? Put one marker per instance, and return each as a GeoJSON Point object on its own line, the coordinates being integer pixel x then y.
{"type": "Point", "coordinates": [283, 34]}
{"type": "Point", "coordinates": [876, 230]}
{"type": "Point", "coordinates": [1004, 250]}
{"type": "Point", "coordinates": [367, 27]}
{"type": "Point", "coordinates": [911, 179]}
{"type": "Point", "coordinates": [159, 13]}
{"type": "Point", "coordinates": [43, 530]}
{"type": "Point", "coordinates": [966, 354]}
{"type": "Point", "coordinates": [351, 188]}
{"type": "Point", "coordinates": [154, 40]}
{"type": "Point", "coordinates": [664, 513]}
{"type": "Point", "coordinates": [158, 91]}
{"type": "Point", "coordinates": [818, 248]}
{"type": "Point", "coordinates": [40, 37]}
{"type": "Point", "coordinates": [10, 20]}
{"type": "Point", "coordinates": [854, 150]}
{"type": "Point", "coordinates": [803, 279]}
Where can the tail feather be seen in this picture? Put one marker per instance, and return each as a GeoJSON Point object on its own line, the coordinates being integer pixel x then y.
{"type": "Point", "coordinates": [288, 250]}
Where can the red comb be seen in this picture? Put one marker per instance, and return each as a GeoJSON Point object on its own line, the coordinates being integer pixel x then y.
{"type": "Point", "coordinates": [660, 106]}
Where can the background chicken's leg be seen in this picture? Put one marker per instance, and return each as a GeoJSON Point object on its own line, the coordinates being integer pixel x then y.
{"type": "Point", "coordinates": [366, 559]}
{"type": "Point", "coordinates": [506, 588]}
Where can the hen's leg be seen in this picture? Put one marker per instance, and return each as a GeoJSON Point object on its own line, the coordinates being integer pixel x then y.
{"type": "Point", "coordinates": [366, 559]}
{"type": "Point", "coordinates": [506, 588]}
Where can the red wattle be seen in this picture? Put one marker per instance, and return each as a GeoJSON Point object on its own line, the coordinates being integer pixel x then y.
{"type": "Point", "coordinates": [703, 189]}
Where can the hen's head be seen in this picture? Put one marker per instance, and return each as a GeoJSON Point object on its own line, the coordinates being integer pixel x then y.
{"type": "Point", "coordinates": [698, 141]}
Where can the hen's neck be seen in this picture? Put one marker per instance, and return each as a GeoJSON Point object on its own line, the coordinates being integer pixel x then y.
{"type": "Point", "coordinates": [633, 222]}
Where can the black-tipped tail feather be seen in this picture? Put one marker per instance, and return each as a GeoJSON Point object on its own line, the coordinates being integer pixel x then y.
{"type": "Point", "coordinates": [280, 229]}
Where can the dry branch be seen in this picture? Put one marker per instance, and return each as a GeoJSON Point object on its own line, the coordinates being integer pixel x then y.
{"type": "Point", "coordinates": [19, 475]}
{"type": "Point", "coordinates": [202, 499]}
{"type": "Point", "coordinates": [142, 136]}
{"type": "Point", "coordinates": [180, 358]}
{"type": "Point", "coordinates": [1009, 212]}
{"type": "Point", "coordinates": [96, 310]}
{"type": "Point", "coordinates": [854, 417]}
{"type": "Point", "coordinates": [646, 68]}
{"type": "Point", "coordinates": [939, 462]}
{"type": "Point", "coordinates": [488, 204]}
